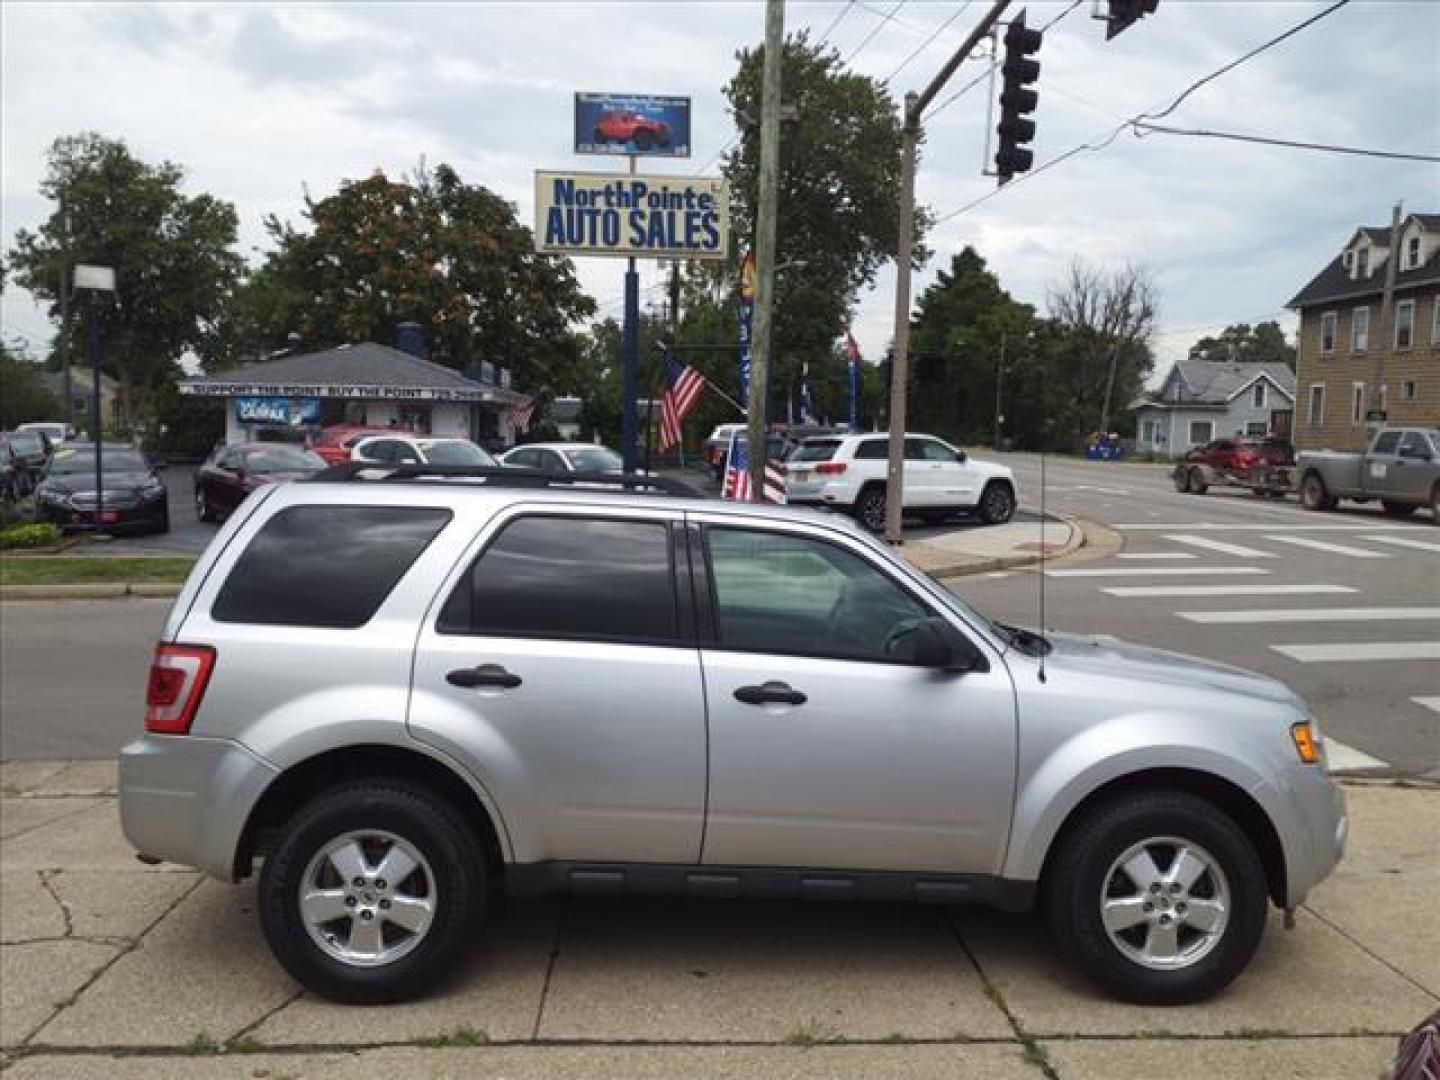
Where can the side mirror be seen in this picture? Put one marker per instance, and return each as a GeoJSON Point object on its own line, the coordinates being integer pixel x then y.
{"type": "Point", "coordinates": [961, 456]}
{"type": "Point", "coordinates": [939, 645]}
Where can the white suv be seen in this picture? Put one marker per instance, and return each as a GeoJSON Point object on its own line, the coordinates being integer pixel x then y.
{"type": "Point", "coordinates": [847, 472]}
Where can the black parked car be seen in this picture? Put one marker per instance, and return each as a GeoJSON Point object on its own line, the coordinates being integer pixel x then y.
{"type": "Point", "coordinates": [232, 472]}
{"type": "Point", "coordinates": [133, 499]}
{"type": "Point", "coordinates": [14, 476]}
{"type": "Point", "coordinates": [33, 450]}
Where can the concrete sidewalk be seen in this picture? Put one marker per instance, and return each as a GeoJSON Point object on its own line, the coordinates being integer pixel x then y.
{"type": "Point", "coordinates": [112, 969]}
{"type": "Point", "coordinates": [975, 549]}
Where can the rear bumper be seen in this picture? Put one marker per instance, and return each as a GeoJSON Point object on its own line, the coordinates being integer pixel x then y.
{"type": "Point", "coordinates": [185, 798]}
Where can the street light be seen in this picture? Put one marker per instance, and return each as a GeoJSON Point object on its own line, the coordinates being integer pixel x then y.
{"type": "Point", "coordinates": [99, 280]}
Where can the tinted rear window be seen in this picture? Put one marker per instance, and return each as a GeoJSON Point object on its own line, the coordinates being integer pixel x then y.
{"type": "Point", "coordinates": [330, 566]}
{"type": "Point", "coordinates": [816, 450]}
{"type": "Point", "coordinates": [873, 449]}
{"type": "Point", "coordinates": [575, 578]}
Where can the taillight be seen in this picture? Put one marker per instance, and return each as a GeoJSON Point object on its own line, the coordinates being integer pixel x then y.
{"type": "Point", "coordinates": [178, 676]}
{"type": "Point", "coordinates": [830, 468]}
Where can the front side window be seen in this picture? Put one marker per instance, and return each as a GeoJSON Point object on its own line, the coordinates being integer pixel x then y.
{"type": "Point", "coordinates": [776, 593]}
{"type": "Point", "coordinates": [1360, 329]}
{"type": "Point", "coordinates": [1404, 324]}
{"type": "Point", "coordinates": [1387, 442]}
{"type": "Point", "coordinates": [873, 450]}
{"type": "Point", "coordinates": [1416, 445]}
{"type": "Point", "coordinates": [928, 450]}
{"type": "Point", "coordinates": [1327, 332]}
{"type": "Point", "coordinates": [327, 566]}
{"type": "Point", "coordinates": [581, 579]}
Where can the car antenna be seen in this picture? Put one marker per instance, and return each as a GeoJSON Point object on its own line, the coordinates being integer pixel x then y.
{"type": "Point", "coordinates": [1044, 439]}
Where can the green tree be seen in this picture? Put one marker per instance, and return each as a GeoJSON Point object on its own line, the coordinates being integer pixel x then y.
{"type": "Point", "coordinates": [1263, 343]}
{"type": "Point", "coordinates": [430, 249]}
{"type": "Point", "coordinates": [839, 191]}
{"type": "Point", "coordinates": [172, 255]}
{"type": "Point", "coordinates": [23, 397]}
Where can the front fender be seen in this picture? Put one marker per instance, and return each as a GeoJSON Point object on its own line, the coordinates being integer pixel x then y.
{"type": "Point", "coordinates": [1077, 767]}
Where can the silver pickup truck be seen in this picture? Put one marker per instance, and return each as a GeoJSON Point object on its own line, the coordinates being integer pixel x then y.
{"type": "Point", "coordinates": [1401, 469]}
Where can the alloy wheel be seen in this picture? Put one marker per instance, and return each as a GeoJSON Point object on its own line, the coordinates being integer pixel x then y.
{"type": "Point", "coordinates": [367, 898]}
{"type": "Point", "coordinates": [998, 506]}
{"type": "Point", "coordinates": [872, 510]}
{"type": "Point", "coordinates": [1165, 903]}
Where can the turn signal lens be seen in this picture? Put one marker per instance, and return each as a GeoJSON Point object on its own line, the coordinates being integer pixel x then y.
{"type": "Point", "coordinates": [1307, 742]}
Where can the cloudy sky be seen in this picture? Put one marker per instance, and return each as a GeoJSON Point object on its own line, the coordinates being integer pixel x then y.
{"type": "Point", "coordinates": [260, 102]}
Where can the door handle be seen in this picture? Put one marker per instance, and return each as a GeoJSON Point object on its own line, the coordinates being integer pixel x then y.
{"type": "Point", "coordinates": [483, 675]}
{"type": "Point", "coordinates": [776, 692]}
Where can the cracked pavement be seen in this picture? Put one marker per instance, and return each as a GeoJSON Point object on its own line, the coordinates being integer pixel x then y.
{"type": "Point", "coordinates": [112, 969]}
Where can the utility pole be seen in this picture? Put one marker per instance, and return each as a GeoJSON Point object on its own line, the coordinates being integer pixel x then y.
{"type": "Point", "coordinates": [1109, 388]}
{"type": "Point", "coordinates": [765, 242]}
{"type": "Point", "coordinates": [915, 104]}
{"type": "Point", "coordinates": [999, 382]}
{"type": "Point", "coordinates": [1387, 313]}
{"type": "Point", "coordinates": [65, 384]}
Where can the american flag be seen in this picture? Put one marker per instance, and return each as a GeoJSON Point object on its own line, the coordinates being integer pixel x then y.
{"type": "Point", "coordinates": [520, 414]}
{"type": "Point", "coordinates": [737, 475]}
{"type": "Point", "coordinates": [682, 389]}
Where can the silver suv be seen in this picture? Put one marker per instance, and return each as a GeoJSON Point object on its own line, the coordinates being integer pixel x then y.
{"type": "Point", "coordinates": [403, 688]}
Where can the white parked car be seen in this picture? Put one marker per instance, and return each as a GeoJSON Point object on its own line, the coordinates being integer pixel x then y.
{"type": "Point", "coordinates": [405, 449]}
{"type": "Point", "coordinates": [847, 472]}
{"type": "Point", "coordinates": [53, 430]}
{"type": "Point", "coordinates": [564, 457]}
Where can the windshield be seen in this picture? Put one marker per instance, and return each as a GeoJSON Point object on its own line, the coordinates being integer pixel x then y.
{"type": "Point", "coordinates": [81, 459]}
{"type": "Point", "coordinates": [593, 459]}
{"type": "Point", "coordinates": [455, 452]}
{"type": "Point", "coordinates": [815, 450]}
{"type": "Point", "coordinates": [26, 442]}
{"type": "Point", "coordinates": [283, 459]}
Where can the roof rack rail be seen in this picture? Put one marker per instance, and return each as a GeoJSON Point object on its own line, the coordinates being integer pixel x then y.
{"type": "Point", "coordinates": [502, 476]}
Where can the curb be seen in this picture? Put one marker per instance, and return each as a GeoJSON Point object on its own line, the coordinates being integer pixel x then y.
{"type": "Point", "coordinates": [92, 591]}
{"type": "Point", "coordinates": [1083, 534]}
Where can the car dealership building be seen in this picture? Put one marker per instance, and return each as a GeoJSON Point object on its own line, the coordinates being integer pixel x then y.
{"type": "Point", "coordinates": [366, 383]}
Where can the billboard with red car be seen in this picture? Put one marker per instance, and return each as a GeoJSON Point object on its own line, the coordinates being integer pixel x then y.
{"type": "Point", "coordinates": [641, 124]}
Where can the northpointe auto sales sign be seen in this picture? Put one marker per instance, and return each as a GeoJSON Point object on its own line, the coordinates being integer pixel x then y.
{"type": "Point", "coordinates": [662, 217]}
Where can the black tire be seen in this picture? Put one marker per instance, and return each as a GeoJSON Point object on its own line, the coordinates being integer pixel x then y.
{"type": "Point", "coordinates": [1076, 883]}
{"type": "Point", "coordinates": [997, 503]}
{"type": "Point", "coordinates": [1197, 483]}
{"type": "Point", "coordinates": [203, 510]}
{"type": "Point", "coordinates": [869, 508]}
{"type": "Point", "coordinates": [1395, 509]}
{"type": "Point", "coordinates": [1314, 495]}
{"type": "Point", "coordinates": [431, 826]}
{"type": "Point", "coordinates": [1181, 476]}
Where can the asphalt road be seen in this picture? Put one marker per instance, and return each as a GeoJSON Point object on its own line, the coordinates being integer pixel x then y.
{"type": "Point", "coordinates": [1355, 629]}
{"type": "Point", "coordinates": [1344, 606]}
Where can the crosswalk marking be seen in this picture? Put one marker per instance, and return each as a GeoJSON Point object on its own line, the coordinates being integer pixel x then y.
{"type": "Point", "coordinates": [1156, 555]}
{"type": "Point", "coordinates": [1220, 546]}
{"type": "Point", "coordinates": [1342, 758]}
{"type": "Point", "coordinates": [1428, 702]}
{"type": "Point", "coordinates": [1304, 615]}
{"type": "Point", "coordinates": [1404, 541]}
{"type": "Point", "coordinates": [1355, 651]}
{"type": "Point", "coordinates": [1224, 590]}
{"type": "Point", "coordinates": [1227, 526]}
{"type": "Point", "coordinates": [1156, 571]}
{"type": "Point", "coordinates": [1334, 549]}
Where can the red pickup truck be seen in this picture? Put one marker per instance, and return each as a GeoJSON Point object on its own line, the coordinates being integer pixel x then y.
{"type": "Point", "coordinates": [1262, 465]}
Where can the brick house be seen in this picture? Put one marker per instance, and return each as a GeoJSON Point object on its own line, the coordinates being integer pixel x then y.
{"type": "Point", "coordinates": [1353, 358]}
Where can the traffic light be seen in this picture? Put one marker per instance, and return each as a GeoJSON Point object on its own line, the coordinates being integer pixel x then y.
{"type": "Point", "coordinates": [1017, 99]}
{"type": "Point", "coordinates": [1124, 13]}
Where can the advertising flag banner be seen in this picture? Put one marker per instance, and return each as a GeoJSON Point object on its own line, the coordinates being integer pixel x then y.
{"type": "Point", "coordinates": [645, 125]}
{"type": "Point", "coordinates": [852, 367]}
{"type": "Point", "coordinates": [658, 217]}
{"type": "Point", "coordinates": [747, 318]}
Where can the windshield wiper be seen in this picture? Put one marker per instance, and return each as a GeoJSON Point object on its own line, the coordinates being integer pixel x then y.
{"type": "Point", "coordinates": [1027, 641]}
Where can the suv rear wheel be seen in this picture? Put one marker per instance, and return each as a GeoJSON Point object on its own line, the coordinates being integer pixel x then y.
{"type": "Point", "coordinates": [372, 891]}
{"type": "Point", "coordinates": [870, 508]}
{"type": "Point", "coordinates": [1159, 896]}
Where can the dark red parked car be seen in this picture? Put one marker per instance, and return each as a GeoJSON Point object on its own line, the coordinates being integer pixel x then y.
{"type": "Point", "coordinates": [232, 472]}
{"type": "Point", "coordinates": [627, 125]}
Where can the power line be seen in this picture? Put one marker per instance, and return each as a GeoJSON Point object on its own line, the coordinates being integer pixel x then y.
{"type": "Point", "coordinates": [885, 19]}
{"type": "Point", "coordinates": [1140, 125]}
{"type": "Point", "coordinates": [1134, 121]}
{"type": "Point", "coordinates": [834, 23]}
{"type": "Point", "coordinates": [929, 40]}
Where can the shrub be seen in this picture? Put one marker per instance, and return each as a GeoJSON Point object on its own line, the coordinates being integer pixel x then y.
{"type": "Point", "coordinates": [29, 536]}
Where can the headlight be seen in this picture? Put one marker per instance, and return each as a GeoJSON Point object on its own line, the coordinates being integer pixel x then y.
{"type": "Point", "coordinates": [54, 496]}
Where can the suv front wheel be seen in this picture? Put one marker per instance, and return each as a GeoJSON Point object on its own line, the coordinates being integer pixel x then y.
{"type": "Point", "coordinates": [1159, 896]}
{"type": "Point", "coordinates": [372, 891]}
{"type": "Point", "coordinates": [997, 504]}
